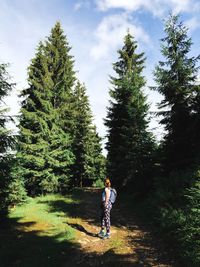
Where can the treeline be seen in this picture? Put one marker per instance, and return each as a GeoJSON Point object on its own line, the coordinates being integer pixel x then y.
{"type": "Point", "coordinates": [57, 146]}
{"type": "Point", "coordinates": [164, 178]}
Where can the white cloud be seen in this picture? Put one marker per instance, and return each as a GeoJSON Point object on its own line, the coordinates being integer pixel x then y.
{"type": "Point", "coordinates": [110, 34]}
{"type": "Point", "coordinates": [78, 6]}
{"type": "Point", "coordinates": [19, 36]}
{"type": "Point", "coordinates": [156, 7]}
{"type": "Point", "coordinates": [128, 4]}
{"type": "Point", "coordinates": [193, 24]}
{"type": "Point", "coordinates": [180, 5]}
{"type": "Point", "coordinates": [82, 4]}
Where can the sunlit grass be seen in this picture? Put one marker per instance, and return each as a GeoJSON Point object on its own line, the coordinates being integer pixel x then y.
{"type": "Point", "coordinates": [116, 243]}
{"type": "Point", "coordinates": [38, 233]}
{"type": "Point", "coordinates": [39, 214]}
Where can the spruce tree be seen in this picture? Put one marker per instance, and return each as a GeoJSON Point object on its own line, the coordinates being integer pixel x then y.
{"type": "Point", "coordinates": [129, 143]}
{"type": "Point", "coordinates": [61, 156]}
{"type": "Point", "coordinates": [7, 143]}
{"type": "Point", "coordinates": [61, 67]}
{"type": "Point", "coordinates": [176, 76]}
{"type": "Point", "coordinates": [195, 125]}
{"type": "Point", "coordinates": [36, 107]}
{"type": "Point", "coordinates": [52, 111]}
{"type": "Point", "coordinates": [96, 160]}
{"type": "Point", "coordinates": [15, 190]}
{"type": "Point", "coordinates": [43, 151]}
{"type": "Point", "coordinates": [88, 165]}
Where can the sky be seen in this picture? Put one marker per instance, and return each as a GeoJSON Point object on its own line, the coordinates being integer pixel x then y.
{"type": "Point", "coordinates": [95, 30]}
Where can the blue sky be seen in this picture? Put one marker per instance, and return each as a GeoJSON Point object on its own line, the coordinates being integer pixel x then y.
{"type": "Point", "coordinates": [95, 30]}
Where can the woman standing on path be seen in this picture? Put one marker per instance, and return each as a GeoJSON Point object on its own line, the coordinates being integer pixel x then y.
{"type": "Point", "coordinates": [106, 208]}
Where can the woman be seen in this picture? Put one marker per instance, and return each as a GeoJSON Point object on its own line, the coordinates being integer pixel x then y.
{"type": "Point", "coordinates": [106, 208]}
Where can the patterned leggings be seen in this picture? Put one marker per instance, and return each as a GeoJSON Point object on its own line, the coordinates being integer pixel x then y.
{"type": "Point", "coordinates": [105, 217]}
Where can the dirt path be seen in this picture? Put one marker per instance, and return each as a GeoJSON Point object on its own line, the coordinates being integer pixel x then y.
{"type": "Point", "coordinates": [130, 244]}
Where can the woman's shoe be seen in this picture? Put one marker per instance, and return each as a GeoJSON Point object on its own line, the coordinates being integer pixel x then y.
{"type": "Point", "coordinates": [101, 233]}
{"type": "Point", "coordinates": [106, 236]}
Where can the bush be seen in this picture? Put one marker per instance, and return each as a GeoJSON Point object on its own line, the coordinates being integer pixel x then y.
{"type": "Point", "coordinates": [180, 226]}
{"type": "Point", "coordinates": [15, 191]}
{"type": "Point", "coordinates": [98, 183]}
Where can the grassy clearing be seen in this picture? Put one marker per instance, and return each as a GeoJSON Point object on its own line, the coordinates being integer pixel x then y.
{"type": "Point", "coordinates": [38, 213]}
{"type": "Point", "coordinates": [58, 231]}
{"type": "Point", "coordinates": [37, 233]}
{"type": "Point", "coordinates": [117, 244]}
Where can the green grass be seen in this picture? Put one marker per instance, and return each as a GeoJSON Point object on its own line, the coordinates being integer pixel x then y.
{"type": "Point", "coordinates": [37, 233]}
{"type": "Point", "coordinates": [117, 244]}
{"type": "Point", "coordinates": [46, 222]}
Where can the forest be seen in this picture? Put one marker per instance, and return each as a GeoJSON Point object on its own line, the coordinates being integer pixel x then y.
{"type": "Point", "coordinates": [58, 150]}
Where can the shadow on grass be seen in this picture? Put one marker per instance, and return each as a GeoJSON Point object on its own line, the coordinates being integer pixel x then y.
{"type": "Point", "coordinates": [88, 209]}
{"type": "Point", "coordinates": [85, 205]}
{"type": "Point", "coordinates": [20, 248]}
{"type": "Point", "coordinates": [23, 249]}
{"type": "Point", "coordinates": [82, 229]}
{"type": "Point", "coordinates": [29, 249]}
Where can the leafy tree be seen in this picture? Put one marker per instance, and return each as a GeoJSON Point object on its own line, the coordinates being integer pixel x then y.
{"type": "Point", "coordinates": [129, 143]}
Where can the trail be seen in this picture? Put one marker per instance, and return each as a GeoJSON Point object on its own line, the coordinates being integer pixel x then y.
{"type": "Point", "coordinates": [130, 244]}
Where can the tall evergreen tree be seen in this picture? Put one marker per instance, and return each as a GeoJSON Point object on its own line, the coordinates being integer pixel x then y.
{"type": "Point", "coordinates": [195, 126]}
{"type": "Point", "coordinates": [6, 145]}
{"type": "Point", "coordinates": [96, 160]}
{"type": "Point", "coordinates": [88, 165]}
{"type": "Point", "coordinates": [60, 65]}
{"type": "Point", "coordinates": [83, 119]}
{"type": "Point", "coordinates": [49, 120]}
{"type": "Point", "coordinates": [43, 150]}
{"type": "Point", "coordinates": [176, 78]}
{"type": "Point", "coordinates": [129, 143]}
{"type": "Point", "coordinates": [6, 140]}
{"type": "Point", "coordinates": [36, 107]}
